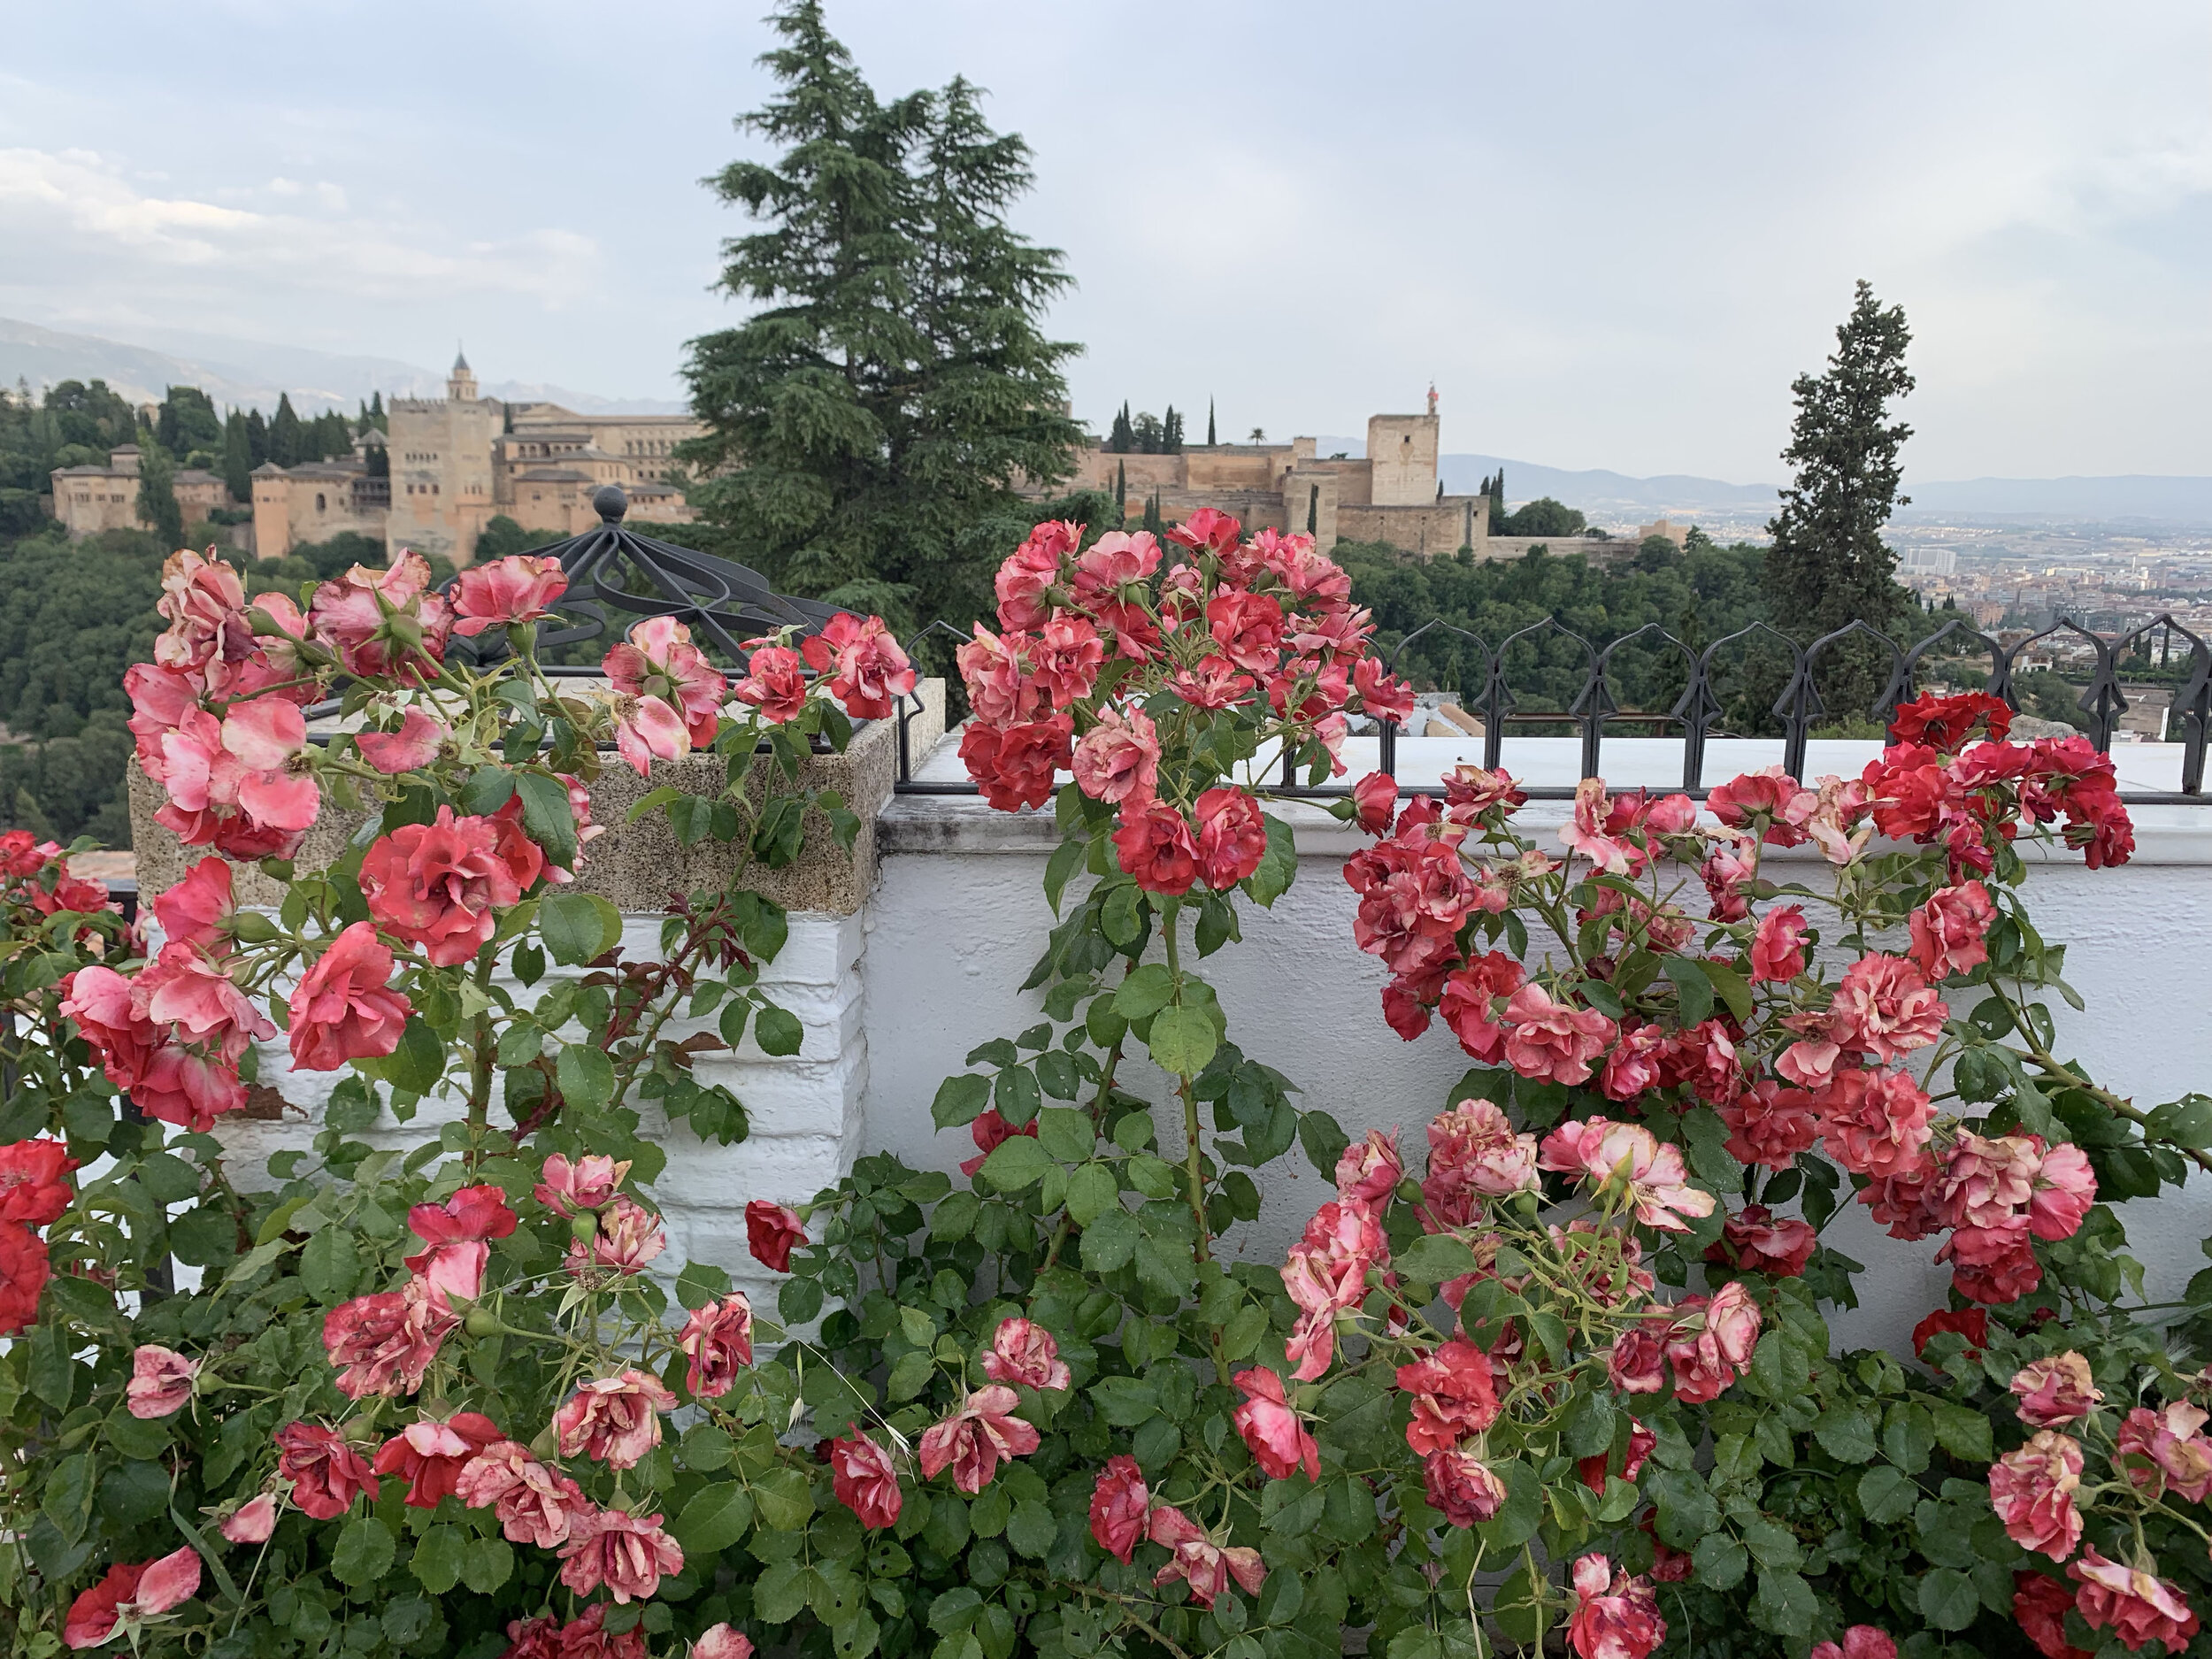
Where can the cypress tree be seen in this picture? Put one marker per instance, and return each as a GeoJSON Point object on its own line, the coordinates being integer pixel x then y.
{"type": "Point", "coordinates": [1152, 521]}
{"type": "Point", "coordinates": [238, 458]}
{"type": "Point", "coordinates": [157, 492]}
{"type": "Point", "coordinates": [1123, 438]}
{"type": "Point", "coordinates": [1121, 488]}
{"type": "Point", "coordinates": [1170, 431]}
{"type": "Point", "coordinates": [256, 436]}
{"type": "Point", "coordinates": [1209, 423]}
{"type": "Point", "coordinates": [285, 444]}
{"type": "Point", "coordinates": [898, 311]}
{"type": "Point", "coordinates": [377, 417]}
{"type": "Point", "coordinates": [1828, 566]}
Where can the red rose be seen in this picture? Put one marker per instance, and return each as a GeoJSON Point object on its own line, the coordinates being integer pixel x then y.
{"type": "Point", "coordinates": [771, 1231]}
{"type": "Point", "coordinates": [2039, 1606]}
{"type": "Point", "coordinates": [343, 1009]}
{"type": "Point", "coordinates": [1461, 1486]}
{"type": "Point", "coordinates": [1272, 1431]}
{"type": "Point", "coordinates": [2137, 1606]}
{"type": "Point", "coordinates": [129, 1594]}
{"type": "Point", "coordinates": [534, 1504]}
{"type": "Point", "coordinates": [1155, 848]}
{"type": "Point", "coordinates": [1970, 1323]}
{"type": "Point", "coordinates": [1944, 722]}
{"type": "Point", "coordinates": [628, 1554]}
{"type": "Point", "coordinates": [1615, 1615]}
{"type": "Point", "coordinates": [1453, 1396]}
{"type": "Point", "coordinates": [1375, 803]}
{"type": "Point", "coordinates": [430, 1455]}
{"type": "Point", "coordinates": [35, 1186]}
{"type": "Point", "coordinates": [865, 1481]}
{"type": "Point", "coordinates": [1777, 944]}
{"type": "Point", "coordinates": [989, 1131]}
{"type": "Point", "coordinates": [1018, 767]}
{"type": "Point", "coordinates": [24, 1271]}
{"type": "Point", "coordinates": [326, 1472]}
{"type": "Point", "coordinates": [383, 1343]}
{"type": "Point", "coordinates": [438, 885]}
{"type": "Point", "coordinates": [973, 1440]}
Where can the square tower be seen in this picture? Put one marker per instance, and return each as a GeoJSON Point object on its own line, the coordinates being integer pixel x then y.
{"type": "Point", "coordinates": [1401, 455]}
{"type": "Point", "coordinates": [441, 453]}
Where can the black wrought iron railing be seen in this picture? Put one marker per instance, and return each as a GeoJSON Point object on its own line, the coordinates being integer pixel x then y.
{"type": "Point", "coordinates": [1696, 713]}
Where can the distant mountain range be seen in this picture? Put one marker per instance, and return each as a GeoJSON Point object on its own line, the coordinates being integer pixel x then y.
{"type": "Point", "coordinates": [251, 375]}
{"type": "Point", "coordinates": [2154, 498]}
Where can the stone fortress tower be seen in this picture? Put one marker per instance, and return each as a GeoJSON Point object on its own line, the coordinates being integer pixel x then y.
{"type": "Point", "coordinates": [442, 467]}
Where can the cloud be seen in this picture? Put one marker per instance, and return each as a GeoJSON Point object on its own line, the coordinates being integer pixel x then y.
{"type": "Point", "coordinates": [75, 202]}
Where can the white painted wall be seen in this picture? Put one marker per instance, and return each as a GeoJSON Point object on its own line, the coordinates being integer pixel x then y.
{"type": "Point", "coordinates": [960, 915]}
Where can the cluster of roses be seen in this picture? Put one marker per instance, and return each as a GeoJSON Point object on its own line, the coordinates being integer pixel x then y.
{"type": "Point", "coordinates": [1263, 626]}
{"type": "Point", "coordinates": [983, 1431]}
{"type": "Point", "coordinates": [35, 1193]}
{"type": "Point", "coordinates": [1477, 1158]}
{"type": "Point", "coordinates": [1839, 1079]}
{"type": "Point", "coordinates": [2160, 1453]}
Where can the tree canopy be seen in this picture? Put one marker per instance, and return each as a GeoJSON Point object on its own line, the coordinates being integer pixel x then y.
{"type": "Point", "coordinates": [895, 384]}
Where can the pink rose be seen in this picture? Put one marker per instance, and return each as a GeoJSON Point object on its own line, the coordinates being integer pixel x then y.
{"type": "Point", "coordinates": [1474, 1153]}
{"type": "Point", "coordinates": [659, 664]}
{"type": "Point", "coordinates": [868, 670]}
{"type": "Point", "coordinates": [1155, 848]}
{"type": "Point", "coordinates": [1756, 1240]}
{"type": "Point", "coordinates": [1065, 657]}
{"type": "Point", "coordinates": [2031, 1490]}
{"type": "Point", "coordinates": [534, 1504]}
{"type": "Point", "coordinates": [1652, 1176]}
{"type": "Point", "coordinates": [1769, 801]}
{"type": "Point", "coordinates": [2065, 1187]}
{"type": "Point", "coordinates": [1769, 1124]}
{"type": "Point", "coordinates": [1118, 759]}
{"type": "Point", "coordinates": [865, 1481]}
{"type": "Point", "coordinates": [518, 588]}
{"type": "Point", "coordinates": [718, 1337]}
{"type": "Point", "coordinates": [588, 1184]}
{"type": "Point", "coordinates": [383, 1343]}
{"type": "Point", "coordinates": [2056, 1391]}
{"type": "Point", "coordinates": [253, 1520]}
{"type": "Point", "coordinates": [415, 744]}
{"type": "Point", "coordinates": [1375, 803]}
{"type": "Point", "coordinates": [2163, 1451]}
{"type": "Point", "coordinates": [1875, 1123]}
{"type": "Point", "coordinates": [1777, 944]}
{"type": "Point", "coordinates": [1551, 1041]}
{"type": "Point", "coordinates": [774, 683]}
{"type": "Point", "coordinates": [1231, 837]}
{"type": "Point", "coordinates": [1119, 1503]}
{"type": "Point", "coordinates": [1711, 1341]}
{"type": "Point", "coordinates": [1272, 1431]}
{"type": "Point", "coordinates": [197, 910]}
{"type": "Point", "coordinates": [1201, 1563]}
{"type": "Point", "coordinates": [627, 1237]}
{"type": "Point", "coordinates": [1024, 1352]}
{"type": "Point", "coordinates": [344, 1008]}
{"type": "Point", "coordinates": [1454, 1396]}
{"type": "Point", "coordinates": [2138, 1607]}
{"type": "Point", "coordinates": [1461, 1486]}
{"type": "Point", "coordinates": [974, 1440]}
{"type": "Point", "coordinates": [1030, 570]}
{"type": "Point", "coordinates": [627, 1554]}
{"type": "Point", "coordinates": [1018, 767]}
{"type": "Point", "coordinates": [431, 1453]}
{"type": "Point", "coordinates": [161, 1381]}
{"type": "Point", "coordinates": [1615, 1615]}
{"type": "Point", "coordinates": [349, 616]}
{"type": "Point", "coordinates": [1860, 1641]}
{"type": "Point", "coordinates": [1885, 1008]}
{"type": "Point", "coordinates": [1368, 1171]}
{"type": "Point", "coordinates": [1638, 1362]}
{"type": "Point", "coordinates": [1950, 932]}
{"type": "Point", "coordinates": [722, 1641]}
{"type": "Point", "coordinates": [614, 1420]}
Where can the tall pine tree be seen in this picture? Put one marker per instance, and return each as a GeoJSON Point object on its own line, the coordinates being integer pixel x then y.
{"type": "Point", "coordinates": [1209, 423]}
{"type": "Point", "coordinates": [286, 445]}
{"type": "Point", "coordinates": [157, 507]}
{"type": "Point", "coordinates": [895, 384]}
{"type": "Point", "coordinates": [237, 458]}
{"type": "Point", "coordinates": [1828, 564]}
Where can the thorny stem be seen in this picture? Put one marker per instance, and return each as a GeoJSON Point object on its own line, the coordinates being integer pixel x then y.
{"type": "Point", "coordinates": [483, 1050]}
{"type": "Point", "coordinates": [1128, 1605]}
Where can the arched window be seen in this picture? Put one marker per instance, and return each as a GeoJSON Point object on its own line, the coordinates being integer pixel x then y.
{"type": "Point", "coordinates": [320, 504]}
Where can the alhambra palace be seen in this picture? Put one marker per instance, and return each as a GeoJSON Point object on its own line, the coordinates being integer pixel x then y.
{"type": "Point", "coordinates": [449, 465]}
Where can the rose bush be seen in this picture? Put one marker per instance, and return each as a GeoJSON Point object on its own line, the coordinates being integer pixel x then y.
{"type": "Point", "coordinates": [1550, 1364]}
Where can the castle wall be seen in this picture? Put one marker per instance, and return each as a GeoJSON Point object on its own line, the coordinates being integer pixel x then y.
{"type": "Point", "coordinates": [441, 473]}
{"type": "Point", "coordinates": [1437, 526]}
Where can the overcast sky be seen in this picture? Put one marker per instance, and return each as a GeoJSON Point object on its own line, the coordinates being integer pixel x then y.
{"type": "Point", "coordinates": [1610, 234]}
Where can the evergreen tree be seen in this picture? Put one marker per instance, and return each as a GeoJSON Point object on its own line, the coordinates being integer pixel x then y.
{"type": "Point", "coordinates": [1123, 439]}
{"type": "Point", "coordinates": [1121, 489]}
{"type": "Point", "coordinates": [377, 417]}
{"type": "Point", "coordinates": [1828, 564]}
{"type": "Point", "coordinates": [158, 506]}
{"type": "Point", "coordinates": [1170, 431]}
{"type": "Point", "coordinates": [1209, 423]}
{"type": "Point", "coordinates": [237, 458]}
{"type": "Point", "coordinates": [1149, 431]}
{"type": "Point", "coordinates": [257, 437]}
{"type": "Point", "coordinates": [285, 444]}
{"type": "Point", "coordinates": [893, 383]}
{"type": "Point", "coordinates": [186, 421]}
{"type": "Point", "coordinates": [1152, 520]}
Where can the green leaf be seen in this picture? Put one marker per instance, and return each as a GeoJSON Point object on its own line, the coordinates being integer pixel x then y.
{"type": "Point", "coordinates": [1434, 1257]}
{"type": "Point", "coordinates": [577, 927]}
{"type": "Point", "coordinates": [1886, 1493]}
{"type": "Point", "coordinates": [330, 1266]}
{"type": "Point", "coordinates": [1092, 1191]}
{"type": "Point", "coordinates": [546, 815]}
{"type": "Point", "coordinates": [586, 1076]}
{"type": "Point", "coordinates": [1947, 1599]}
{"type": "Point", "coordinates": [1784, 1604]}
{"type": "Point", "coordinates": [1015, 1162]}
{"type": "Point", "coordinates": [784, 1500]}
{"type": "Point", "coordinates": [1125, 1401]}
{"type": "Point", "coordinates": [1183, 1041]}
{"type": "Point", "coordinates": [365, 1550]}
{"type": "Point", "coordinates": [778, 1031]}
{"type": "Point", "coordinates": [1846, 1432]}
{"type": "Point", "coordinates": [1066, 1134]}
{"type": "Point", "coordinates": [1031, 1528]}
{"type": "Point", "coordinates": [1147, 990]}
{"type": "Point", "coordinates": [487, 1563]}
{"type": "Point", "coordinates": [1706, 1137]}
{"type": "Point", "coordinates": [1730, 987]}
{"type": "Point", "coordinates": [1964, 1433]}
{"type": "Point", "coordinates": [1324, 1141]}
{"type": "Point", "coordinates": [417, 1065]}
{"type": "Point", "coordinates": [716, 1518]}
{"type": "Point", "coordinates": [1279, 864]}
{"type": "Point", "coordinates": [1066, 859]}
{"type": "Point", "coordinates": [1111, 1243]}
{"type": "Point", "coordinates": [960, 1100]}
{"type": "Point", "coordinates": [437, 1561]}
{"type": "Point", "coordinates": [1693, 989]}
{"type": "Point", "coordinates": [1719, 1561]}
